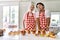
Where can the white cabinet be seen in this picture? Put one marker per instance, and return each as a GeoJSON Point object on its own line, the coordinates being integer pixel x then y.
{"type": "Point", "coordinates": [55, 22]}
{"type": "Point", "coordinates": [55, 19]}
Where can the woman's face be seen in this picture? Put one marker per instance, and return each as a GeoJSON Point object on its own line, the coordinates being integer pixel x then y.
{"type": "Point", "coordinates": [32, 7]}
{"type": "Point", "coordinates": [40, 7]}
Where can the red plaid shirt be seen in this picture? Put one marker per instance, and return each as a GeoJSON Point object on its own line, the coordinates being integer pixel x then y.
{"type": "Point", "coordinates": [42, 20]}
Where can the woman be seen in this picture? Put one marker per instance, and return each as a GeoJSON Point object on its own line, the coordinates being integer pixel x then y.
{"type": "Point", "coordinates": [29, 20]}
{"type": "Point", "coordinates": [43, 17]}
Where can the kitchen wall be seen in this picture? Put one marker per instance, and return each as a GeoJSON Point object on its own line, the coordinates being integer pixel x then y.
{"type": "Point", "coordinates": [52, 5]}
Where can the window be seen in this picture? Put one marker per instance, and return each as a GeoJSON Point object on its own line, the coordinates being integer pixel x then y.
{"type": "Point", "coordinates": [55, 17]}
{"type": "Point", "coordinates": [10, 16]}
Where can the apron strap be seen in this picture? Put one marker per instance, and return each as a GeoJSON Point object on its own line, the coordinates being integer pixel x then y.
{"type": "Point", "coordinates": [28, 15]}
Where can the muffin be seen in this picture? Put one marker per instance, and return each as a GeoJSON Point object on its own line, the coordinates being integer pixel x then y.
{"type": "Point", "coordinates": [23, 32]}
{"type": "Point", "coordinates": [37, 33]}
{"type": "Point", "coordinates": [28, 31]}
{"type": "Point", "coordinates": [33, 31]}
{"type": "Point", "coordinates": [17, 33]}
{"type": "Point", "coordinates": [43, 32]}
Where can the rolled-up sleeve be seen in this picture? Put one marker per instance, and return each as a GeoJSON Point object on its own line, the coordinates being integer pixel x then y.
{"type": "Point", "coordinates": [47, 14]}
{"type": "Point", "coordinates": [37, 14]}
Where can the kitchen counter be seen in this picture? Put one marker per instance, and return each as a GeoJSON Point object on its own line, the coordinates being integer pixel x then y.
{"type": "Point", "coordinates": [33, 37]}
{"type": "Point", "coordinates": [27, 37]}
